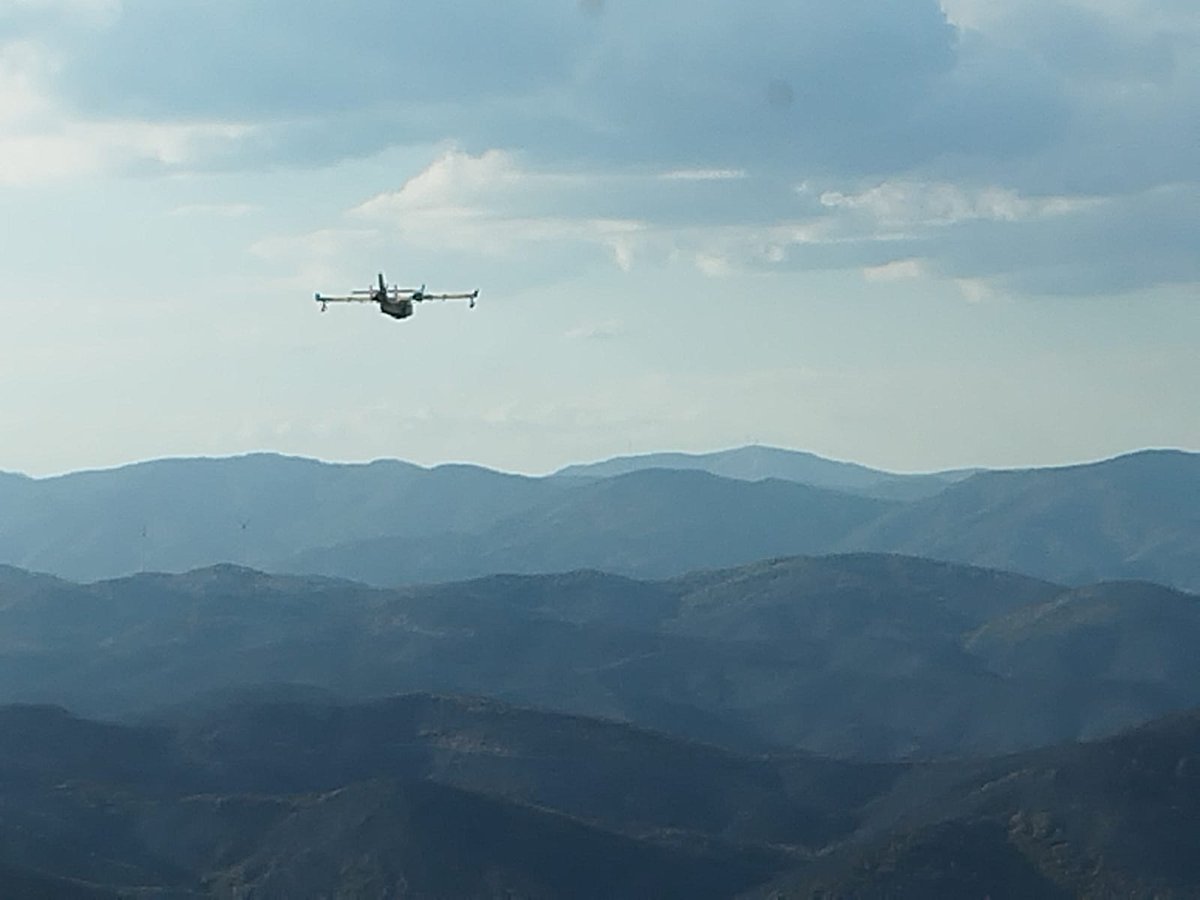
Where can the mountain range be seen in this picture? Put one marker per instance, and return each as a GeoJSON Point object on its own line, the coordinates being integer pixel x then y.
{"type": "Point", "coordinates": [390, 523]}
{"type": "Point", "coordinates": [753, 673]}
{"type": "Point", "coordinates": [861, 655]}
{"type": "Point", "coordinates": [438, 797]}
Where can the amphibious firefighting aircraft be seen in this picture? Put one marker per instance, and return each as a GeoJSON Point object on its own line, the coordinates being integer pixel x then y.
{"type": "Point", "coordinates": [393, 301]}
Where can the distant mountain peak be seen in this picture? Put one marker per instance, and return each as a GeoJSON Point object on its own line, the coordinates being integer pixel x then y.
{"type": "Point", "coordinates": [758, 462]}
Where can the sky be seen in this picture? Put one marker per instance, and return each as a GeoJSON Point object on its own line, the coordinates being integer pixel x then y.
{"type": "Point", "coordinates": [911, 234]}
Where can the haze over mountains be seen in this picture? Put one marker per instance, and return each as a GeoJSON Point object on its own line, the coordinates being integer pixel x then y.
{"type": "Point", "coordinates": [389, 523]}
{"type": "Point", "coordinates": [753, 673]}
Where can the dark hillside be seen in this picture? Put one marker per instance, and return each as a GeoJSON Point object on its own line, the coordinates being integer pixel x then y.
{"type": "Point", "coordinates": [608, 773]}
{"type": "Point", "coordinates": [314, 799]}
{"type": "Point", "coordinates": [426, 840]}
{"type": "Point", "coordinates": [451, 797]}
{"type": "Point", "coordinates": [1114, 818]}
{"type": "Point", "coordinates": [23, 883]}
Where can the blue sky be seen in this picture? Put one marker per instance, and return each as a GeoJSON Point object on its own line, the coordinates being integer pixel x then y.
{"type": "Point", "coordinates": [912, 234]}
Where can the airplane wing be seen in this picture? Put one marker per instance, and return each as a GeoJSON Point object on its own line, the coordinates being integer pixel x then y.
{"type": "Point", "coordinates": [392, 294]}
{"type": "Point", "coordinates": [353, 298]}
{"type": "Point", "coordinates": [463, 296]}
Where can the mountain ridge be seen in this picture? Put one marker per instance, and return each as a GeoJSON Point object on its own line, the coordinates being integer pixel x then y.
{"type": "Point", "coordinates": [757, 462]}
{"type": "Point", "coordinates": [1128, 517]}
{"type": "Point", "coordinates": [867, 655]}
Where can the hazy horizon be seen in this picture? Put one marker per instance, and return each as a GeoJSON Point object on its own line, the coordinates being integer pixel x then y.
{"type": "Point", "coordinates": [532, 472]}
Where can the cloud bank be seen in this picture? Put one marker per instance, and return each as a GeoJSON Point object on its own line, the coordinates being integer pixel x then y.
{"type": "Point", "coordinates": [1039, 148]}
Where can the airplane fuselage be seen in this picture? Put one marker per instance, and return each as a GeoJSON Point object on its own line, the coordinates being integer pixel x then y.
{"type": "Point", "coordinates": [397, 308]}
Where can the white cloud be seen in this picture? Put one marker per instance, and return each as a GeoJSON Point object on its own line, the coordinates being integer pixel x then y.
{"type": "Point", "coordinates": [975, 290]}
{"type": "Point", "coordinates": [455, 182]}
{"type": "Point", "coordinates": [489, 203]}
{"type": "Point", "coordinates": [714, 266]}
{"type": "Point", "coordinates": [26, 160]}
{"type": "Point", "coordinates": [704, 175]}
{"type": "Point", "coordinates": [41, 142]}
{"type": "Point", "coordinates": [897, 270]}
{"type": "Point", "coordinates": [496, 205]}
{"type": "Point", "coordinates": [909, 203]}
{"type": "Point", "coordinates": [24, 66]}
{"type": "Point", "coordinates": [492, 203]}
{"type": "Point", "coordinates": [972, 14]}
{"type": "Point", "coordinates": [74, 149]}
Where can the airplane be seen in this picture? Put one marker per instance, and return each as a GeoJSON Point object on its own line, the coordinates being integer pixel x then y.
{"type": "Point", "coordinates": [393, 301]}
